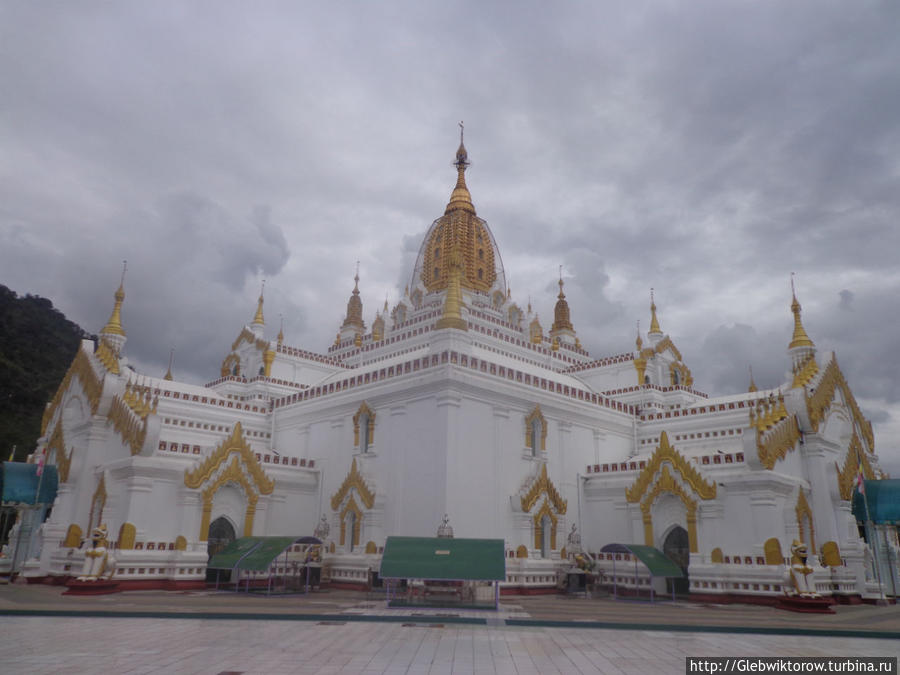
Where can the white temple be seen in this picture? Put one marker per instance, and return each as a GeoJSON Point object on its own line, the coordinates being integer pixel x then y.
{"type": "Point", "coordinates": [458, 401]}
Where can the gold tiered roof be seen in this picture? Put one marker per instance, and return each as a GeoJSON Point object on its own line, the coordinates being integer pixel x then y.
{"type": "Point", "coordinates": [114, 325]}
{"type": "Point", "coordinates": [561, 320]}
{"type": "Point", "coordinates": [461, 230]}
{"type": "Point", "coordinates": [800, 338]}
{"type": "Point", "coordinates": [354, 317]}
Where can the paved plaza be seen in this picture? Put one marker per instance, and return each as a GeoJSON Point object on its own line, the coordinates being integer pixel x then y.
{"type": "Point", "coordinates": [344, 632]}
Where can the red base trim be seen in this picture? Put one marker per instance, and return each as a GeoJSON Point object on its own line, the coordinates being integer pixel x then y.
{"type": "Point", "coordinates": [734, 598]}
{"type": "Point", "coordinates": [347, 585]}
{"type": "Point", "coordinates": [805, 605]}
{"type": "Point", "coordinates": [99, 587]}
{"type": "Point", "coordinates": [528, 590]}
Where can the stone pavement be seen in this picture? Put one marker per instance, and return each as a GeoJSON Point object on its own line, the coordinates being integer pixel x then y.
{"type": "Point", "coordinates": [344, 632]}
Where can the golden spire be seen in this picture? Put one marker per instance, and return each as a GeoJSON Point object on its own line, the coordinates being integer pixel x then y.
{"type": "Point", "coordinates": [561, 319]}
{"type": "Point", "coordinates": [639, 343]}
{"type": "Point", "coordinates": [752, 387]}
{"type": "Point", "coordinates": [281, 330]}
{"type": "Point", "coordinates": [453, 302]}
{"type": "Point", "coordinates": [259, 307]}
{"type": "Point", "coordinates": [800, 338]}
{"type": "Point", "coordinates": [168, 375]}
{"type": "Point", "coordinates": [354, 306]}
{"type": "Point", "coordinates": [114, 325]}
{"type": "Point", "coordinates": [460, 197]}
{"type": "Point", "coordinates": [654, 322]}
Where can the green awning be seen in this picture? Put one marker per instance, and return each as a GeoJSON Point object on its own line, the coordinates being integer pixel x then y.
{"type": "Point", "coordinates": [255, 553]}
{"type": "Point", "coordinates": [656, 561]}
{"type": "Point", "coordinates": [447, 559]}
{"type": "Point", "coordinates": [232, 554]}
{"type": "Point", "coordinates": [261, 557]}
{"type": "Point", "coordinates": [883, 497]}
{"type": "Point", "coordinates": [19, 483]}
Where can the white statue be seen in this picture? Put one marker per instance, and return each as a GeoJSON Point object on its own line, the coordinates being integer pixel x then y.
{"type": "Point", "coordinates": [98, 562]}
{"type": "Point", "coordinates": [801, 573]}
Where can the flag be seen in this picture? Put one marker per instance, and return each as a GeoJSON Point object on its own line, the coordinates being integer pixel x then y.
{"type": "Point", "coordinates": [40, 465]}
{"type": "Point", "coordinates": [860, 482]}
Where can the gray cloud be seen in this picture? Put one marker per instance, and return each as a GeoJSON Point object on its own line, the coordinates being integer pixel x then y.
{"type": "Point", "coordinates": [705, 149]}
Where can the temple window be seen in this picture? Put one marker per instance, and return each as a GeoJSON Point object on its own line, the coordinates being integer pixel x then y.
{"type": "Point", "coordinates": [535, 432]}
{"type": "Point", "coordinates": [437, 253]}
{"type": "Point", "coordinates": [480, 274]}
{"type": "Point", "coordinates": [481, 254]}
{"type": "Point", "coordinates": [437, 273]}
{"type": "Point", "coordinates": [546, 530]}
{"type": "Point", "coordinates": [364, 428]}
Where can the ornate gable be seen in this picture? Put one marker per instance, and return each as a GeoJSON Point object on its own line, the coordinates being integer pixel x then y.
{"type": "Point", "coordinates": [543, 485]}
{"type": "Point", "coordinates": [234, 444]}
{"type": "Point", "coordinates": [353, 481]}
{"type": "Point", "coordinates": [666, 453]}
{"type": "Point", "coordinates": [819, 402]}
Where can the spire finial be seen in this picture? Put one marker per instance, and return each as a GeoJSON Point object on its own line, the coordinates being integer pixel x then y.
{"type": "Point", "coordinates": [462, 128]}
{"type": "Point", "coordinates": [752, 387]}
{"type": "Point", "coordinates": [281, 329]}
{"type": "Point", "coordinates": [639, 342]}
{"type": "Point", "coordinates": [654, 322]}
{"type": "Point", "coordinates": [168, 375]}
{"type": "Point", "coordinates": [114, 324]}
{"type": "Point", "coordinates": [258, 318]}
{"type": "Point", "coordinates": [800, 338]}
{"type": "Point", "coordinates": [460, 197]}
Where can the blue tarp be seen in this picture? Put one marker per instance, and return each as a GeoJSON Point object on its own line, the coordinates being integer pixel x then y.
{"type": "Point", "coordinates": [19, 483]}
{"type": "Point", "coordinates": [883, 497]}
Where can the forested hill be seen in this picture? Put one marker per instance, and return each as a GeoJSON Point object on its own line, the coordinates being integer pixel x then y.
{"type": "Point", "coordinates": [37, 345]}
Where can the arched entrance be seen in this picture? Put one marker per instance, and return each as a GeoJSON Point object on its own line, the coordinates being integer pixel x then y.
{"type": "Point", "coordinates": [677, 548]}
{"type": "Point", "coordinates": [221, 533]}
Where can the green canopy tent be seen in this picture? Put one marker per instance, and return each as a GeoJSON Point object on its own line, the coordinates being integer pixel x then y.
{"type": "Point", "coordinates": [657, 563]}
{"type": "Point", "coordinates": [445, 559]}
{"type": "Point", "coordinates": [257, 554]}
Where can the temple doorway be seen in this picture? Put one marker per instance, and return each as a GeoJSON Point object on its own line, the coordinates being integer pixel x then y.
{"type": "Point", "coordinates": [677, 549]}
{"type": "Point", "coordinates": [221, 533]}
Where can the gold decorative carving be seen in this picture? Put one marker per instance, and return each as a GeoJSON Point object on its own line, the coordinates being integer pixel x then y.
{"type": "Point", "coordinates": [354, 480]}
{"type": "Point", "coordinates": [680, 374]}
{"type": "Point", "coordinates": [180, 543]}
{"type": "Point", "coordinates": [667, 483]}
{"type": "Point", "coordinates": [236, 443]}
{"type": "Point", "coordinates": [805, 513]}
{"type": "Point", "coordinates": [543, 485]}
{"type": "Point", "coordinates": [831, 554]}
{"type": "Point", "coordinates": [640, 364]}
{"type": "Point", "coordinates": [772, 551]}
{"type": "Point", "coordinates": [854, 461]}
{"type": "Point", "coordinates": [369, 414]}
{"type": "Point", "coordinates": [232, 474]}
{"type": "Point", "coordinates": [716, 556]}
{"type": "Point", "coordinates": [107, 356]}
{"type": "Point", "coordinates": [98, 502]}
{"type": "Point", "coordinates": [666, 453]}
{"type": "Point", "coordinates": [91, 384]}
{"type": "Point", "coordinates": [127, 535]}
{"type": "Point", "coordinates": [128, 424]}
{"type": "Point", "coordinates": [231, 362]}
{"type": "Point", "coordinates": [247, 335]}
{"type": "Point", "coordinates": [371, 548]}
{"type": "Point", "coordinates": [351, 507]}
{"type": "Point", "coordinates": [522, 551]}
{"type": "Point", "coordinates": [536, 416]}
{"type": "Point", "coordinates": [666, 343]}
{"type": "Point", "coordinates": [57, 446]}
{"type": "Point", "coordinates": [73, 537]}
{"type": "Point", "coordinates": [805, 372]}
{"type": "Point", "coordinates": [268, 358]}
{"type": "Point", "coordinates": [545, 510]}
{"type": "Point", "coordinates": [467, 233]}
{"type": "Point", "coordinates": [819, 402]}
{"type": "Point", "coordinates": [777, 432]}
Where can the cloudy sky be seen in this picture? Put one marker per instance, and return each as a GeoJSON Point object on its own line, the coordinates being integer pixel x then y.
{"type": "Point", "coordinates": [706, 149]}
